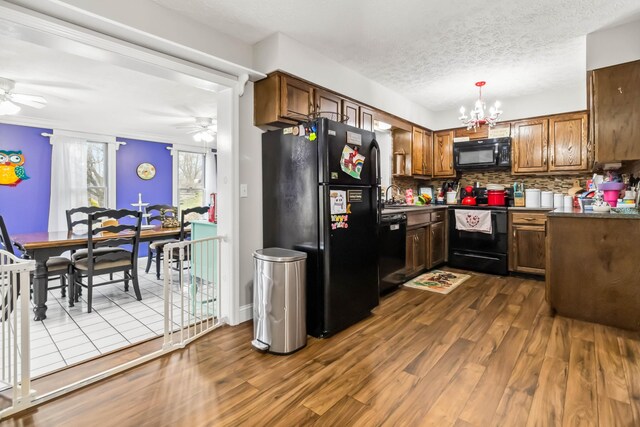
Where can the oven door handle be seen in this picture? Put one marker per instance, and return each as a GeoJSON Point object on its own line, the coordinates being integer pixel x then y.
{"type": "Point", "coordinates": [476, 256]}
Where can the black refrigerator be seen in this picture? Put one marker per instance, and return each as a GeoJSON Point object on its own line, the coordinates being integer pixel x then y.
{"type": "Point", "coordinates": [321, 195]}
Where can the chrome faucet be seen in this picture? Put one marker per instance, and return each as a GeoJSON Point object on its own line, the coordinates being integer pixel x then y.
{"type": "Point", "coordinates": [386, 193]}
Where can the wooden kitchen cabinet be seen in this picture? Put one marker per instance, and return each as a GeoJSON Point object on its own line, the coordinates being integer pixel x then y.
{"type": "Point", "coordinates": [422, 152]}
{"type": "Point", "coordinates": [437, 243]}
{"type": "Point", "coordinates": [327, 105]}
{"type": "Point", "coordinates": [529, 146]}
{"type": "Point", "coordinates": [416, 260]}
{"type": "Point", "coordinates": [551, 144]}
{"type": "Point", "coordinates": [443, 154]}
{"type": "Point", "coordinates": [281, 100]}
{"type": "Point", "coordinates": [366, 119]}
{"type": "Point", "coordinates": [614, 104]}
{"type": "Point", "coordinates": [568, 143]}
{"type": "Point", "coordinates": [352, 111]}
{"type": "Point", "coordinates": [527, 242]}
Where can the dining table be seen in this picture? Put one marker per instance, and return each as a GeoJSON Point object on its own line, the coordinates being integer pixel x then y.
{"type": "Point", "coordinates": [40, 246]}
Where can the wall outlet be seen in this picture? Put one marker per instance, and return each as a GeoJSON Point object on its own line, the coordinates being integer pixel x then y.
{"type": "Point", "coordinates": [243, 190]}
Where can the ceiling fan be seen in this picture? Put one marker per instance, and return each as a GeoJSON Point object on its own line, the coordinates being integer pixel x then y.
{"type": "Point", "coordinates": [203, 129]}
{"type": "Point", "coordinates": [9, 99]}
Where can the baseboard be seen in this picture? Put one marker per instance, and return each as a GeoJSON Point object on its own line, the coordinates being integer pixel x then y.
{"type": "Point", "coordinates": [245, 313]}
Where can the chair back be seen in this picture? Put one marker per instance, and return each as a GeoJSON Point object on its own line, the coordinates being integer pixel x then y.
{"type": "Point", "coordinates": [104, 233]}
{"type": "Point", "coordinates": [156, 212]}
{"type": "Point", "coordinates": [5, 240]}
{"type": "Point", "coordinates": [187, 217]}
{"type": "Point", "coordinates": [83, 215]}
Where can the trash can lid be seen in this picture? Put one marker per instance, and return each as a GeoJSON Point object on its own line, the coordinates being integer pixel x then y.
{"type": "Point", "coordinates": [279, 255]}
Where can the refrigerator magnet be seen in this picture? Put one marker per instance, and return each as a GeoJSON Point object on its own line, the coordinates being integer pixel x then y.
{"type": "Point", "coordinates": [339, 221]}
{"type": "Point", "coordinates": [338, 202]}
{"type": "Point", "coordinates": [351, 162]}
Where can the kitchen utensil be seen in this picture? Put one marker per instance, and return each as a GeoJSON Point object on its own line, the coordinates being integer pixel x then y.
{"type": "Point", "coordinates": [532, 198]}
{"type": "Point", "coordinates": [546, 199]}
{"type": "Point", "coordinates": [601, 209]}
{"type": "Point", "coordinates": [576, 187]}
{"type": "Point", "coordinates": [469, 200]}
{"type": "Point", "coordinates": [495, 198]}
{"type": "Point", "coordinates": [497, 187]}
{"type": "Point", "coordinates": [610, 192]}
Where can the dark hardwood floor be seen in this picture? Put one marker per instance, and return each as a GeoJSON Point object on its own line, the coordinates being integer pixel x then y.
{"type": "Point", "coordinates": [489, 354]}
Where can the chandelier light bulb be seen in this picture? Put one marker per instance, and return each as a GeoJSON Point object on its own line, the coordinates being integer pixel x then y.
{"type": "Point", "coordinates": [478, 116]}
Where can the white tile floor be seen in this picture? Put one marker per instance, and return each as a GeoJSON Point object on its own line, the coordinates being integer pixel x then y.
{"type": "Point", "coordinates": [70, 335]}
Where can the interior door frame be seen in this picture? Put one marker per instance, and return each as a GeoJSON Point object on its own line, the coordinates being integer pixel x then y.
{"type": "Point", "coordinates": [209, 73]}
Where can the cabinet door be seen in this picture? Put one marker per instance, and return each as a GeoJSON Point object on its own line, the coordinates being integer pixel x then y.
{"type": "Point", "coordinates": [296, 100]}
{"type": "Point", "coordinates": [528, 248]}
{"type": "Point", "coordinates": [417, 152]}
{"type": "Point", "coordinates": [530, 146]}
{"type": "Point", "coordinates": [615, 111]}
{"type": "Point", "coordinates": [568, 149]}
{"type": "Point", "coordinates": [427, 148]}
{"type": "Point", "coordinates": [328, 105]}
{"type": "Point", "coordinates": [443, 154]}
{"type": "Point", "coordinates": [416, 255]}
{"type": "Point", "coordinates": [437, 237]}
{"type": "Point", "coordinates": [366, 119]}
{"type": "Point", "coordinates": [352, 111]}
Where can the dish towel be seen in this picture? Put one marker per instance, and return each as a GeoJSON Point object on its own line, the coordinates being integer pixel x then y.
{"type": "Point", "coordinates": [475, 221]}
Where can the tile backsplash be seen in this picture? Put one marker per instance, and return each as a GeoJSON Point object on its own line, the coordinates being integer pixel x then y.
{"type": "Point", "coordinates": [555, 183]}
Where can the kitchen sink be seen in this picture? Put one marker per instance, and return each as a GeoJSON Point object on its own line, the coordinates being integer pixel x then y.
{"type": "Point", "coordinates": [405, 206]}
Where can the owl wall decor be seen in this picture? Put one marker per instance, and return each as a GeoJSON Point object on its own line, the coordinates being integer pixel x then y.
{"type": "Point", "coordinates": [11, 170]}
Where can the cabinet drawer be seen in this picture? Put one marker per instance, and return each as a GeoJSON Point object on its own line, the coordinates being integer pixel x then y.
{"type": "Point", "coordinates": [437, 216]}
{"type": "Point", "coordinates": [528, 218]}
{"type": "Point", "coordinates": [416, 218]}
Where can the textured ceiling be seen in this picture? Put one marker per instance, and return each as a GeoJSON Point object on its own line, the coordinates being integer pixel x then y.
{"type": "Point", "coordinates": [431, 51]}
{"type": "Point", "coordinates": [97, 97]}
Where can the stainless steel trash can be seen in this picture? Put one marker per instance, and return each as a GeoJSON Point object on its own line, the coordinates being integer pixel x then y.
{"type": "Point", "coordinates": [279, 300]}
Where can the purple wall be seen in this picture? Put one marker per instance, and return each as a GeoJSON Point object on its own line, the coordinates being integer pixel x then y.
{"type": "Point", "coordinates": [154, 191]}
{"type": "Point", "coordinates": [25, 207]}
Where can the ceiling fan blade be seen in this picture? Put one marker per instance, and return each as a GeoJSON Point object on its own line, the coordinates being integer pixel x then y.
{"type": "Point", "coordinates": [28, 100]}
{"type": "Point", "coordinates": [188, 127]}
{"type": "Point", "coordinates": [194, 131]}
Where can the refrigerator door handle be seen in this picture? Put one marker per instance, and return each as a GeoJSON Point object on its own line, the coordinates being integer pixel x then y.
{"type": "Point", "coordinates": [376, 147]}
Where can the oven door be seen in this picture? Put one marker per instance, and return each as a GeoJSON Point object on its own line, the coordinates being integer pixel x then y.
{"type": "Point", "coordinates": [494, 243]}
{"type": "Point", "coordinates": [476, 155]}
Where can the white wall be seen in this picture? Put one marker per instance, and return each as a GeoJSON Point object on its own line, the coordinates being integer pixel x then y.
{"type": "Point", "coordinates": [613, 46]}
{"type": "Point", "coordinates": [251, 206]}
{"type": "Point", "coordinates": [279, 52]}
{"type": "Point", "coordinates": [573, 98]}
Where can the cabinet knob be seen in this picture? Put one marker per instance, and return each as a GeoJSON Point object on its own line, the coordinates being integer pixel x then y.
{"type": "Point", "coordinates": [620, 89]}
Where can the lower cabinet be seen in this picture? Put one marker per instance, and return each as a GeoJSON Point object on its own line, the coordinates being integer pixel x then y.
{"type": "Point", "coordinates": [416, 251]}
{"type": "Point", "coordinates": [527, 242]}
{"type": "Point", "coordinates": [426, 242]}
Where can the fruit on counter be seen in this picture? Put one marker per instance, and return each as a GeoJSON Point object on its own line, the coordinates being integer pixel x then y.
{"type": "Point", "coordinates": [423, 199]}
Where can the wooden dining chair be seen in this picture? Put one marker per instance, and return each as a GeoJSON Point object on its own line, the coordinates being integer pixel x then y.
{"type": "Point", "coordinates": [186, 216]}
{"type": "Point", "coordinates": [98, 262]}
{"type": "Point", "coordinates": [156, 214]}
{"type": "Point", "coordinates": [57, 267]}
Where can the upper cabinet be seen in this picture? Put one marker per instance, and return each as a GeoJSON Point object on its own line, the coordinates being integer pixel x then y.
{"type": "Point", "coordinates": [280, 100]}
{"type": "Point", "coordinates": [614, 103]}
{"type": "Point", "coordinates": [352, 112]}
{"type": "Point", "coordinates": [555, 144]}
{"type": "Point", "coordinates": [422, 152]}
{"type": "Point", "coordinates": [366, 119]}
{"type": "Point", "coordinates": [443, 154]}
{"type": "Point", "coordinates": [529, 146]}
{"type": "Point", "coordinates": [327, 105]}
{"type": "Point", "coordinates": [568, 147]}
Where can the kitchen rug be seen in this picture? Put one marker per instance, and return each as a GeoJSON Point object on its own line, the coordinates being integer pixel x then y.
{"type": "Point", "coordinates": [438, 281]}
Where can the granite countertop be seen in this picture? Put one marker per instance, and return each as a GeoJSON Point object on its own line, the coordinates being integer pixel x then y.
{"type": "Point", "coordinates": [413, 208]}
{"type": "Point", "coordinates": [579, 213]}
{"type": "Point", "coordinates": [524, 208]}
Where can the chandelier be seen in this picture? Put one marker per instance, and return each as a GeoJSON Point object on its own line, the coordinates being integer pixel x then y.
{"type": "Point", "coordinates": [477, 117]}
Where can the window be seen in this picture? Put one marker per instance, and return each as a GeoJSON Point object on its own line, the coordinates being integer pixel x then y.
{"type": "Point", "coordinates": [97, 174]}
{"type": "Point", "coordinates": [191, 187]}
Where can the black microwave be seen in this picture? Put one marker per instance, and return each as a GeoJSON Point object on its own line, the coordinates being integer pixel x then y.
{"type": "Point", "coordinates": [482, 154]}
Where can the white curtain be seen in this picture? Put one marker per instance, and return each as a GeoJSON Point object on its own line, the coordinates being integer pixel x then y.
{"type": "Point", "coordinates": [68, 178]}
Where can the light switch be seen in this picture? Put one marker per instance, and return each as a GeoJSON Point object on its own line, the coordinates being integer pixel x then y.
{"type": "Point", "coordinates": [243, 190]}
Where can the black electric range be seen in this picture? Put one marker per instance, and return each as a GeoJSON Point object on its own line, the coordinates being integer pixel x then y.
{"type": "Point", "coordinates": [475, 251]}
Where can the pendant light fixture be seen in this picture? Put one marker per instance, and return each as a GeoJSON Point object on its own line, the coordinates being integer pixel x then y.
{"type": "Point", "coordinates": [478, 117]}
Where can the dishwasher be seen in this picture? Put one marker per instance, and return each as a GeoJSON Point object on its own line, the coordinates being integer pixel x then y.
{"type": "Point", "coordinates": [392, 251]}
